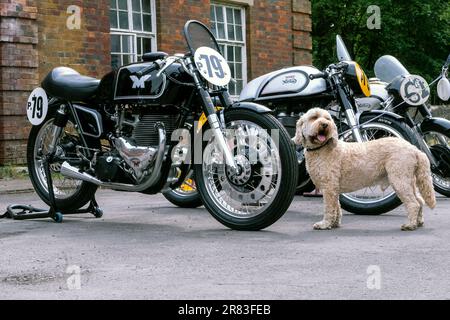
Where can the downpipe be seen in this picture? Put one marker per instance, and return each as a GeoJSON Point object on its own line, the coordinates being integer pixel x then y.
{"type": "Point", "coordinates": [71, 172]}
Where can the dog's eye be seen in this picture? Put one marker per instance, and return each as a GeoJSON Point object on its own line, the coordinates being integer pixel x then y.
{"type": "Point", "coordinates": [313, 118]}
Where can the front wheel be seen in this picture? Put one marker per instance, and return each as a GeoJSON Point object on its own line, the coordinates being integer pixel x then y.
{"type": "Point", "coordinates": [374, 200]}
{"type": "Point", "coordinates": [263, 188]}
{"type": "Point", "coordinates": [439, 144]}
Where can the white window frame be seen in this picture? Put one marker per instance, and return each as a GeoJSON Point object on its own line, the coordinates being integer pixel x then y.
{"type": "Point", "coordinates": [137, 34]}
{"type": "Point", "coordinates": [226, 42]}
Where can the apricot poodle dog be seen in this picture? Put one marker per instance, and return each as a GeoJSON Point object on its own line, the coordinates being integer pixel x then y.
{"type": "Point", "coordinates": [338, 167]}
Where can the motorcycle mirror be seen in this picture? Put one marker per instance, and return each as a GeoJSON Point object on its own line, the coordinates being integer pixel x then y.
{"type": "Point", "coordinates": [341, 49]}
{"type": "Point", "coordinates": [443, 89]}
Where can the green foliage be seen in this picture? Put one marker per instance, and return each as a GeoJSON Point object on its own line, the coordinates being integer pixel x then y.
{"type": "Point", "coordinates": [416, 32]}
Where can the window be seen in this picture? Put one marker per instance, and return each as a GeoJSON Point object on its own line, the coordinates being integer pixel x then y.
{"type": "Point", "coordinates": [133, 30]}
{"type": "Point", "coordinates": [228, 25]}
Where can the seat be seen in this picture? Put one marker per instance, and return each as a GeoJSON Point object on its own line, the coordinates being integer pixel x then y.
{"type": "Point", "coordinates": [153, 56]}
{"type": "Point", "coordinates": [68, 84]}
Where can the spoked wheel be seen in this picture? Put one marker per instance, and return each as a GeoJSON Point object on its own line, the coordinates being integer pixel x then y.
{"type": "Point", "coordinates": [439, 145]}
{"type": "Point", "coordinates": [263, 188]}
{"type": "Point", "coordinates": [374, 200]}
{"type": "Point", "coordinates": [186, 196]}
{"type": "Point", "coordinates": [69, 194]}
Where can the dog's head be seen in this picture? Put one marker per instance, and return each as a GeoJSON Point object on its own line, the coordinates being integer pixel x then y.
{"type": "Point", "coordinates": [315, 128]}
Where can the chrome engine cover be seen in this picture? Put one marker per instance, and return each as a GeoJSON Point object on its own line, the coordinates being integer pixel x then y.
{"type": "Point", "coordinates": [139, 159]}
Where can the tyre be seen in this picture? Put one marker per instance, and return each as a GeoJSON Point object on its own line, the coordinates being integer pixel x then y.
{"type": "Point", "coordinates": [263, 189]}
{"type": "Point", "coordinates": [374, 200]}
{"type": "Point", "coordinates": [186, 196]}
{"type": "Point", "coordinates": [70, 194]}
{"type": "Point", "coordinates": [439, 144]}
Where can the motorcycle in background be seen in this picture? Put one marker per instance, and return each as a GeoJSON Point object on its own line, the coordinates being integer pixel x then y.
{"type": "Point", "coordinates": [397, 91]}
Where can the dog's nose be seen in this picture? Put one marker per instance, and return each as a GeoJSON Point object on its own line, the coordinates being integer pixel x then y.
{"type": "Point", "coordinates": [324, 125]}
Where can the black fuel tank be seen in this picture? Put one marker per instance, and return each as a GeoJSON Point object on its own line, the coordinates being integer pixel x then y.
{"type": "Point", "coordinates": [128, 85]}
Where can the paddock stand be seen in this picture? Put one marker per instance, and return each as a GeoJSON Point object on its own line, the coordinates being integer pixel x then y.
{"type": "Point", "coordinates": [24, 212]}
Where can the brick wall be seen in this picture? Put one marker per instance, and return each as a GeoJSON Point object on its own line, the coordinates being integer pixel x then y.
{"type": "Point", "coordinates": [87, 49]}
{"type": "Point", "coordinates": [172, 18]}
{"type": "Point", "coordinates": [18, 75]}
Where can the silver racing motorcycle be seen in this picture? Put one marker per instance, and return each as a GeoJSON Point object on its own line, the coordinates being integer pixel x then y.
{"type": "Point", "coordinates": [148, 126]}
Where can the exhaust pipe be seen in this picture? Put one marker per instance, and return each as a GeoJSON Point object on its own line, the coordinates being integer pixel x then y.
{"type": "Point", "coordinates": [71, 172]}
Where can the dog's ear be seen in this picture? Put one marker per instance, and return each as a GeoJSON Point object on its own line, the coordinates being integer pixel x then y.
{"type": "Point", "coordinates": [298, 139]}
{"type": "Point", "coordinates": [335, 135]}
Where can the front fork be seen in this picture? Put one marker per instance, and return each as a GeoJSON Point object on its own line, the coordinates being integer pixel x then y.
{"type": "Point", "coordinates": [216, 126]}
{"type": "Point", "coordinates": [350, 115]}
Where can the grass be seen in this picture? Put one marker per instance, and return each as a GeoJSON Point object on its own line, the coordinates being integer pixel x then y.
{"type": "Point", "coordinates": [13, 172]}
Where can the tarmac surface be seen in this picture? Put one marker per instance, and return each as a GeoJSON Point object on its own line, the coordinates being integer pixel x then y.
{"type": "Point", "coordinates": [145, 248]}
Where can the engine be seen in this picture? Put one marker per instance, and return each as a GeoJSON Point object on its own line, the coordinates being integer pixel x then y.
{"type": "Point", "coordinates": [134, 146]}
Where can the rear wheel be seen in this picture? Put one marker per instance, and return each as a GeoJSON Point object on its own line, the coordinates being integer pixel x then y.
{"type": "Point", "coordinates": [263, 189]}
{"type": "Point", "coordinates": [70, 194]}
{"type": "Point", "coordinates": [186, 196]}
{"type": "Point", "coordinates": [374, 200]}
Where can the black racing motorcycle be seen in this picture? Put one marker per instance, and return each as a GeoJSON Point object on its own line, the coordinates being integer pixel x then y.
{"type": "Point", "coordinates": [146, 126]}
{"type": "Point", "coordinates": [290, 92]}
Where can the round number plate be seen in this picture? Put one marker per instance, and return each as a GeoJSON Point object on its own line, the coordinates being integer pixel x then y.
{"type": "Point", "coordinates": [415, 90]}
{"type": "Point", "coordinates": [37, 106]}
{"type": "Point", "coordinates": [212, 66]}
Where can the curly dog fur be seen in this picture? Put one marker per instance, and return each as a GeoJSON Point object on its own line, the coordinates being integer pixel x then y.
{"type": "Point", "coordinates": [339, 167]}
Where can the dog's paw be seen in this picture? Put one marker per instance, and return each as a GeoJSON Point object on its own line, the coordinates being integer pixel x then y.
{"type": "Point", "coordinates": [322, 225]}
{"type": "Point", "coordinates": [409, 227]}
{"type": "Point", "coordinates": [420, 224]}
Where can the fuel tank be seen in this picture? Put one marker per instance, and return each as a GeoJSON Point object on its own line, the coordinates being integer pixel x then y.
{"type": "Point", "coordinates": [289, 83]}
{"type": "Point", "coordinates": [139, 84]}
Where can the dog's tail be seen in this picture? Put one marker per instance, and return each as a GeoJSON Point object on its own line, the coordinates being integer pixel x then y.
{"type": "Point", "coordinates": [424, 180]}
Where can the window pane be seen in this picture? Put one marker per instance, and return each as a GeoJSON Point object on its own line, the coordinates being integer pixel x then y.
{"type": "Point", "coordinates": [115, 61]}
{"type": "Point", "coordinates": [230, 53]}
{"type": "Point", "coordinates": [239, 36]}
{"type": "Point", "coordinates": [221, 31]}
{"type": "Point", "coordinates": [113, 4]}
{"type": "Point", "coordinates": [146, 45]}
{"type": "Point", "coordinates": [127, 59]}
{"type": "Point", "coordinates": [113, 19]}
{"type": "Point", "coordinates": [147, 23]}
{"type": "Point", "coordinates": [219, 14]}
{"type": "Point", "coordinates": [146, 8]}
{"type": "Point", "coordinates": [233, 74]}
{"type": "Point", "coordinates": [238, 71]}
{"type": "Point", "coordinates": [137, 22]}
{"type": "Point", "coordinates": [239, 86]}
{"type": "Point", "coordinates": [139, 46]}
{"type": "Point", "coordinates": [231, 32]}
{"type": "Point", "coordinates": [232, 88]}
{"type": "Point", "coordinates": [230, 15]}
{"type": "Point", "coordinates": [237, 17]}
{"type": "Point", "coordinates": [123, 4]}
{"type": "Point", "coordinates": [137, 5]}
{"type": "Point", "coordinates": [123, 19]}
{"type": "Point", "coordinates": [127, 45]}
{"type": "Point", "coordinates": [115, 43]}
{"type": "Point", "coordinates": [213, 14]}
{"type": "Point", "coordinates": [238, 52]}
{"type": "Point", "coordinates": [214, 30]}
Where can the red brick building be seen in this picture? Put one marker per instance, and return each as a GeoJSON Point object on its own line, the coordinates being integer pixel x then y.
{"type": "Point", "coordinates": [92, 36]}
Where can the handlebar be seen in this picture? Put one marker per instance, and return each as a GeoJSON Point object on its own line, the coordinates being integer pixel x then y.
{"type": "Point", "coordinates": [321, 75]}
